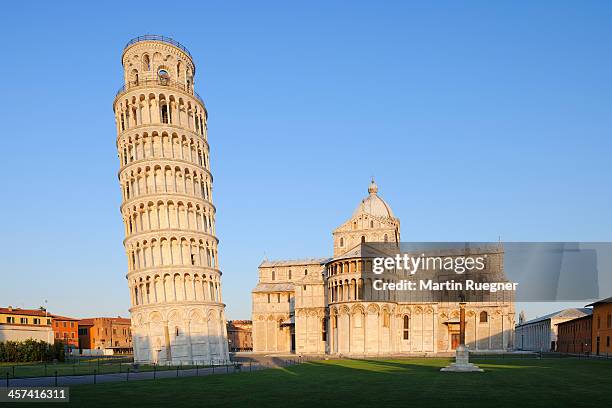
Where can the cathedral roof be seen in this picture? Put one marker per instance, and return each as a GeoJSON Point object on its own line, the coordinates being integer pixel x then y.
{"type": "Point", "coordinates": [292, 262]}
{"type": "Point", "coordinates": [373, 204]}
{"type": "Point", "coordinates": [274, 287]}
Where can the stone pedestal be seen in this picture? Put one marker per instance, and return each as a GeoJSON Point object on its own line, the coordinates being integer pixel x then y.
{"type": "Point", "coordinates": [462, 362]}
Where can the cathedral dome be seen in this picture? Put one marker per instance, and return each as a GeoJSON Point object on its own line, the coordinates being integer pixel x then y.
{"type": "Point", "coordinates": [373, 204]}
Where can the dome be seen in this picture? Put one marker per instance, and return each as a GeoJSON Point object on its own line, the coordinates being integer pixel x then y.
{"type": "Point", "coordinates": [373, 204]}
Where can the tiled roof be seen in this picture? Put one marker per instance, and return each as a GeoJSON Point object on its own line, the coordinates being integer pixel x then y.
{"type": "Point", "coordinates": [57, 317]}
{"type": "Point", "coordinates": [291, 262]}
{"type": "Point", "coordinates": [569, 313]}
{"type": "Point", "coordinates": [599, 302]}
{"type": "Point", "coordinates": [25, 312]}
{"type": "Point", "coordinates": [274, 287]}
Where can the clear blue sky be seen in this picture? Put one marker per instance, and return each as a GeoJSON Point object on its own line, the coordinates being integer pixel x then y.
{"type": "Point", "coordinates": [478, 120]}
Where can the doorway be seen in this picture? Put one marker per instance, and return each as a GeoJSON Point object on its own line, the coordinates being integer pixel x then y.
{"type": "Point", "coordinates": [455, 340]}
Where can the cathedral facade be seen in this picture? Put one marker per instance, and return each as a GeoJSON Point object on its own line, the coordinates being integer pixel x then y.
{"type": "Point", "coordinates": [330, 306]}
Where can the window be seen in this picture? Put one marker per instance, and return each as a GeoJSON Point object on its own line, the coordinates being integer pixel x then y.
{"type": "Point", "coordinates": [406, 327]}
{"type": "Point", "coordinates": [193, 259]}
{"type": "Point", "coordinates": [385, 318]}
{"type": "Point", "coordinates": [115, 332]}
{"type": "Point", "coordinates": [146, 63]}
{"type": "Point", "coordinates": [363, 239]}
{"type": "Point", "coordinates": [608, 341]}
{"type": "Point", "coordinates": [386, 238]}
{"type": "Point", "coordinates": [36, 321]}
{"type": "Point", "coordinates": [599, 322]}
{"type": "Point", "coordinates": [371, 224]}
{"type": "Point", "coordinates": [288, 298]}
{"type": "Point", "coordinates": [273, 275]}
{"type": "Point", "coordinates": [24, 320]}
{"type": "Point", "coordinates": [341, 242]}
{"type": "Point", "coordinates": [609, 320]}
{"type": "Point", "coordinates": [484, 317]}
{"type": "Point", "coordinates": [176, 331]}
{"type": "Point", "coordinates": [305, 272]}
{"type": "Point", "coordinates": [163, 75]}
{"type": "Point", "coordinates": [268, 298]}
{"type": "Point", "coordinates": [49, 322]}
{"type": "Point", "coordinates": [10, 319]}
{"type": "Point", "coordinates": [289, 274]}
{"type": "Point", "coordinates": [72, 324]}
{"type": "Point", "coordinates": [164, 113]}
{"type": "Point", "coordinates": [278, 298]}
{"type": "Point", "coordinates": [64, 324]}
{"type": "Point", "coordinates": [324, 329]}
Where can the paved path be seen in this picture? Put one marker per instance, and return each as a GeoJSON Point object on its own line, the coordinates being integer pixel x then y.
{"type": "Point", "coordinates": [68, 380]}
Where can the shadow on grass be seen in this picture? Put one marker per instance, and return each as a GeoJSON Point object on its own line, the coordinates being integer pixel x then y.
{"type": "Point", "coordinates": [372, 382]}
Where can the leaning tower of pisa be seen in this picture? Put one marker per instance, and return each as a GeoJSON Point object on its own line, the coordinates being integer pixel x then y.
{"type": "Point", "coordinates": [166, 185]}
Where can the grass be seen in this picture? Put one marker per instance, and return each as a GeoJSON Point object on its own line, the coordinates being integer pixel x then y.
{"type": "Point", "coordinates": [376, 383]}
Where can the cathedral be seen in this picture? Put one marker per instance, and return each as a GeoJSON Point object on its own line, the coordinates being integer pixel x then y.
{"type": "Point", "coordinates": [328, 305]}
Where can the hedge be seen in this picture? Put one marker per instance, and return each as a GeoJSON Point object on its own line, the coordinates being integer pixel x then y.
{"type": "Point", "coordinates": [30, 350]}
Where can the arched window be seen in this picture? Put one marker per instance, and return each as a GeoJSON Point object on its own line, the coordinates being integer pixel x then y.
{"type": "Point", "coordinates": [371, 224]}
{"type": "Point", "coordinates": [135, 76]}
{"type": "Point", "coordinates": [176, 331]}
{"type": "Point", "coordinates": [146, 63]}
{"type": "Point", "coordinates": [484, 317]}
{"type": "Point", "coordinates": [363, 239]}
{"type": "Point", "coordinates": [163, 75]}
{"type": "Point", "coordinates": [406, 327]}
{"type": "Point", "coordinates": [164, 113]}
{"type": "Point", "coordinates": [273, 275]}
{"type": "Point", "coordinates": [341, 242]}
{"type": "Point", "coordinates": [324, 329]}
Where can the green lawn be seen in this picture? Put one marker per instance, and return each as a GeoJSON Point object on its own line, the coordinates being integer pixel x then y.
{"type": "Point", "coordinates": [385, 383]}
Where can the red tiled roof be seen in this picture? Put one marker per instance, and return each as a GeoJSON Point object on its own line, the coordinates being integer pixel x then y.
{"type": "Point", "coordinates": [56, 317]}
{"type": "Point", "coordinates": [25, 312]}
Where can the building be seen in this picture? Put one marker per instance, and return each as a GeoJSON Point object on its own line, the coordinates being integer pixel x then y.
{"type": "Point", "coordinates": [602, 326]}
{"type": "Point", "coordinates": [109, 335]}
{"type": "Point", "coordinates": [240, 335]}
{"type": "Point", "coordinates": [575, 336]}
{"type": "Point", "coordinates": [540, 334]}
{"type": "Point", "coordinates": [22, 324]}
{"type": "Point", "coordinates": [329, 306]}
{"type": "Point", "coordinates": [66, 330]}
{"type": "Point", "coordinates": [166, 185]}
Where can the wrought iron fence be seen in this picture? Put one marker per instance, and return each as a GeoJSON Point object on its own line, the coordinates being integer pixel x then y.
{"type": "Point", "coordinates": [161, 38]}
